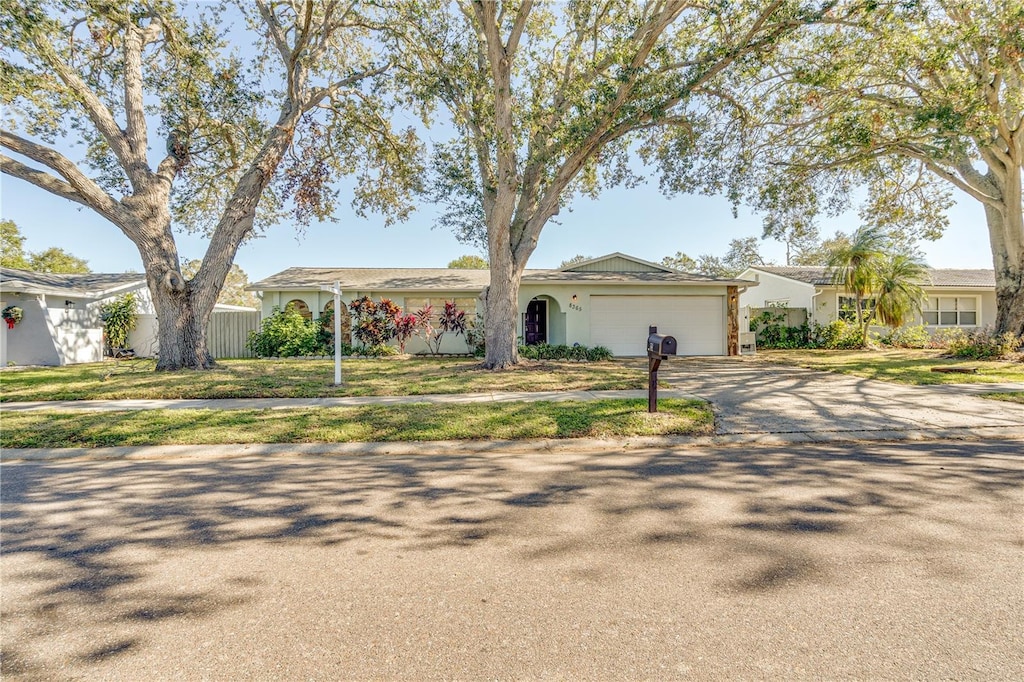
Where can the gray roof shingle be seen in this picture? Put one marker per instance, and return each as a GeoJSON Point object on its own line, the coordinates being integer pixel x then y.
{"type": "Point", "coordinates": [449, 279]}
{"type": "Point", "coordinates": [937, 277]}
{"type": "Point", "coordinates": [93, 283]}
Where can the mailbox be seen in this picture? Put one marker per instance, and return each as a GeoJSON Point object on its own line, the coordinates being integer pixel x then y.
{"type": "Point", "coordinates": [661, 345]}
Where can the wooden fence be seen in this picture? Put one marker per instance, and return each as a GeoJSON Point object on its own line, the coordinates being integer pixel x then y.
{"type": "Point", "coordinates": [228, 332]}
{"type": "Point", "coordinates": [225, 337]}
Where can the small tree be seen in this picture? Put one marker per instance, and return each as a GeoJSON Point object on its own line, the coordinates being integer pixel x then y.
{"type": "Point", "coordinates": [855, 267]}
{"type": "Point", "coordinates": [119, 317]}
{"type": "Point", "coordinates": [898, 291]}
{"type": "Point", "coordinates": [469, 262]}
{"type": "Point", "coordinates": [405, 329]}
{"type": "Point", "coordinates": [451, 320]}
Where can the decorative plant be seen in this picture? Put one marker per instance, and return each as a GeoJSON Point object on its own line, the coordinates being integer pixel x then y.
{"type": "Point", "coordinates": [451, 320]}
{"type": "Point", "coordinates": [374, 323]}
{"type": "Point", "coordinates": [13, 314]}
{"type": "Point", "coordinates": [286, 334]}
{"type": "Point", "coordinates": [118, 320]}
{"type": "Point", "coordinates": [405, 329]}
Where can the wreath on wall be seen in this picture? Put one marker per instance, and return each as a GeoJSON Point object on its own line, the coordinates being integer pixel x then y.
{"type": "Point", "coordinates": [12, 315]}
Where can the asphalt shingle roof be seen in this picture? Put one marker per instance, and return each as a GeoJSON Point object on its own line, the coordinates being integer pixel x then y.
{"type": "Point", "coordinates": [937, 277]}
{"type": "Point", "coordinates": [12, 279]}
{"type": "Point", "coordinates": [448, 279]}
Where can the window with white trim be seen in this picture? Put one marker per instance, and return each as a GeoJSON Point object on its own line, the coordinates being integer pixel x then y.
{"type": "Point", "coordinates": [848, 308]}
{"type": "Point", "coordinates": [950, 311]}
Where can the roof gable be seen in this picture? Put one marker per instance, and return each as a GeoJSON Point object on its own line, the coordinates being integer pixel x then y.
{"type": "Point", "coordinates": [616, 262]}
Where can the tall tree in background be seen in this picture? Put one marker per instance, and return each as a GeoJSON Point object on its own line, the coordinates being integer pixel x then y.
{"type": "Point", "coordinates": [12, 246]}
{"type": "Point", "coordinates": [469, 262]}
{"type": "Point", "coordinates": [913, 99]}
{"type": "Point", "coordinates": [548, 99]}
{"type": "Point", "coordinates": [53, 259]}
{"type": "Point", "coordinates": [233, 134]}
{"type": "Point", "coordinates": [233, 292]}
{"type": "Point", "coordinates": [57, 260]}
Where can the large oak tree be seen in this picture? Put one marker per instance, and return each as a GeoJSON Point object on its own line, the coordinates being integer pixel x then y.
{"type": "Point", "coordinates": [908, 100]}
{"type": "Point", "coordinates": [548, 100]}
{"type": "Point", "coordinates": [182, 129]}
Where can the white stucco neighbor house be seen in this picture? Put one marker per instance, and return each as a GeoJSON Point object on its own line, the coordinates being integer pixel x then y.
{"type": "Point", "coordinates": [61, 316]}
{"type": "Point", "coordinates": [608, 301]}
{"type": "Point", "coordinates": [954, 298]}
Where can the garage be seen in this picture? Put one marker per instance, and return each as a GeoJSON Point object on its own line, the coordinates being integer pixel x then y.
{"type": "Point", "coordinates": [620, 323]}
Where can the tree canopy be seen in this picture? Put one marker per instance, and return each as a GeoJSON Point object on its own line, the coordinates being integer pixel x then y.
{"type": "Point", "coordinates": [548, 101]}
{"type": "Point", "coordinates": [53, 259]}
{"type": "Point", "coordinates": [470, 262]}
{"type": "Point", "coordinates": [913, 100]}
{"type": "Point", "coordinates": [218, 118]}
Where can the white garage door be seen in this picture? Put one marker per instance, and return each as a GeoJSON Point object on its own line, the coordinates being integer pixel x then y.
{"type": "Point", "coordinates": [620, 323]}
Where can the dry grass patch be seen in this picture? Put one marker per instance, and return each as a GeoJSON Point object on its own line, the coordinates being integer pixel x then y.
{"type": "Point", "coordinates": [312, 379]}
{"type": "Point", "coordinates": [899, 366]}
{"type": "Point", "coordinates": [371, 423]}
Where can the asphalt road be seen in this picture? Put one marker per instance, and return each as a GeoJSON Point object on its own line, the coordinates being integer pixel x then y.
{"type": "Point", "coordinates": [796, 562]}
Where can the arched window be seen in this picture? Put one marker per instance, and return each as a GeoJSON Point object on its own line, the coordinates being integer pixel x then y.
{"type": "Point", "coordinates": [300, 305]}
{"type": "Point", "coordinates": [346, 321]}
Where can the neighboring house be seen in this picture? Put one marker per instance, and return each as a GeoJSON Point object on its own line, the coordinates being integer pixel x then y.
{"type": "Point", "coordinates": [954, 298]}
{"type": "Point", "coordinates": [61, 323]}
{"type": "Point", "coordinates": [608, 301]}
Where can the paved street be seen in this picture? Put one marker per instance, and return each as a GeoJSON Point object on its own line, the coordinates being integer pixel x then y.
{"type": "Point", "coordinates": [789, 562]}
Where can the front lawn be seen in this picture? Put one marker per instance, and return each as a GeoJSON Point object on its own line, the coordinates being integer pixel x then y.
{"type": "Point", "coordinates": [135, 379]}
{"type": "Point", "coordinates": [900, 366]}
{"type": "Point", "coordinates": [405, 422]}
{"type": "Point", "coordinates": [1011, 397]}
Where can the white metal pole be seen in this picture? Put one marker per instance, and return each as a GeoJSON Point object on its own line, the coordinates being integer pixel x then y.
{"type": "Point", "coordinates": [337, 333]}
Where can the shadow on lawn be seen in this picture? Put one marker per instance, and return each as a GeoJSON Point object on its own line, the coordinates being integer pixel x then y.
{"type": "Point", "coordinates": [83, 540]}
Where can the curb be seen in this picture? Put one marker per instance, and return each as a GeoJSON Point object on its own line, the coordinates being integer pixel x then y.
{"type": "Point", "coordinates": [540, 446]}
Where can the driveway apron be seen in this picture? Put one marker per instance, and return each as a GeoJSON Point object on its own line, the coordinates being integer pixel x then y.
{"type": "Point", "coordinates": [751, 396]}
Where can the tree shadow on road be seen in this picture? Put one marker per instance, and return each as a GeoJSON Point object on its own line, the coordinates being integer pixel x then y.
{"type": "Point", "coordinates": [85, 542]}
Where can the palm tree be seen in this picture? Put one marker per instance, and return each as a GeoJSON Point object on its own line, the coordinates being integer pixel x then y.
{"type": "Point", "coordinates": [898, 291]}
{"type": "Point", "coordinates": [854, 266]}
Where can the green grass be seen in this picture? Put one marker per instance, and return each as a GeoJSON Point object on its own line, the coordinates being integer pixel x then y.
{"type": "Point", "coordinates": [1011, 397]}
{"type": "Point", "coordinates": [899, 366]}
{"type": "Point", "coordinates": [136, 379]}
{"type": "Point", "coordinates": [372, 423]}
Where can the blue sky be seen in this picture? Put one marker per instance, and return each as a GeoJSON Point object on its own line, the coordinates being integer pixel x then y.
{"type": "Point", "coordinates": [640, 222]}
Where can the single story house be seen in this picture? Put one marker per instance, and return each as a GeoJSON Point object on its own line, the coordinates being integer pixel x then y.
{"type": "Point", "coordinates": [608, 301]}
{"type": "Point", "coordinates": [61, 322]}
{"type": "Point", "coordinates": [954, 298]}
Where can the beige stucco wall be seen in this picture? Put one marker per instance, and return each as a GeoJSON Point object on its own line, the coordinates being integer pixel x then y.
{"type": "Point", "coordinates": [568, 320]}
{"type": "Point", "coordinates": [51, 334]}
{"type": "Point", "coordinates": [774, 288]}
{"type": "Point", "coordinates": [577, 313]}
{"type": "Point", "coordinates": [825, 305]}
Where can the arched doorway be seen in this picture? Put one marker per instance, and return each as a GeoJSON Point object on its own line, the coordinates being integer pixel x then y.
{"type": "Point", "coordinates": [298, 305]}
{"type": "Point", "coordinates": [346, 321]}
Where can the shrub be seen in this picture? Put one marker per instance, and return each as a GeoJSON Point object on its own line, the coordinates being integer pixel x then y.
{"type": "Point", "coordinates": [771, 333]}
{"type": "Point", "coordinates": [380, 351]}
{"type": "Point", "coordinates": [476, 336]}
{"type": "Point", "coordinates": [286, 333]}
{"type": "Point", "coordinates": [580, 353]}
{"type": "Point", "coordinates": [373, 323]}
{"type": "Point", "coordinates": [836, 335]}
{"type": "Point", "coordinates": [405, 328]}
{"type": "Point", "coordinates": [908, 337]}
{"type": "Point", "coordinates": [948, 336]}
{"type": "Point", "coordinates": [985, 344]}
{"type": "Point", "coordinates": [118, 320]}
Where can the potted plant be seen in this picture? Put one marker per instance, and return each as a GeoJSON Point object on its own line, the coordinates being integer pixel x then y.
{"type": "Point", "coordinates": [12, 315]}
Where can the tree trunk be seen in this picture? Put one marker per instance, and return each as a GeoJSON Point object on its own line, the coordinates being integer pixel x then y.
{"type": "Point", "coordinates": [502, 311]}
{"type": "Point", "coordinates": [1006, 233]}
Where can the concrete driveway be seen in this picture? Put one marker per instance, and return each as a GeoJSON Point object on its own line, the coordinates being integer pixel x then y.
{"type": "Point", "coordinates": [854, 561]}
{"type": "Point", "coordinates": [754, 397]}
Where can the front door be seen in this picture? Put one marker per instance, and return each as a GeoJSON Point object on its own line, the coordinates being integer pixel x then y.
{"type": "Point", "coordinates": [535, 323]}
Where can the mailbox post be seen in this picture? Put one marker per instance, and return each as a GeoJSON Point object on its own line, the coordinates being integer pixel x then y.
{"type": "Point", "coordinates": [659, 347]}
